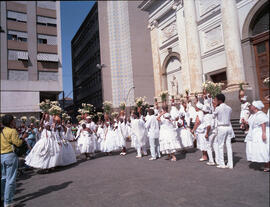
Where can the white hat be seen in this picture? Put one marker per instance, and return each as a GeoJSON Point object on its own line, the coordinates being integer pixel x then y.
{"type": "Point", "coordinates": [258, 104]}
{"type": "Point", "coordinates": [206, 109]}
{"type": "Point", "coordinates": [244, 98]}
{"type": "Point", "coordinates": [199, 105]}
{"type": "Point", "coordinates": [89, 117]}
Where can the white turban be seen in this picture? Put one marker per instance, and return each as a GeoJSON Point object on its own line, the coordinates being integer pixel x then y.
{"type": "Point", "coordinates": [199, 105]}
{"type": "Point", "coordinates": [206, 109]}
{"type": "Point", "coordinates": [167, 115]}
{"type": "Point", "coordinates": [244, 98]}
{"type": "Point", "coordinates": [258, 104]}
{"type": "Point", "coordinates": [89, 117]}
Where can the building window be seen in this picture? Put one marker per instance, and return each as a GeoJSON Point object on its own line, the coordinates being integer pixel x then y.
{"type": "Point", "coordinates": [46, 21]}
{"type": "Point", "coordinates": [17, 36]}
{"type": "Point", "coordinates": [42, 41]}
{"type": "Point", "coordinates": [47, 39]}
{"type": "Point", "coordinates": [16, 16]}
{"type": "Point", "coordinates": [17, 55]}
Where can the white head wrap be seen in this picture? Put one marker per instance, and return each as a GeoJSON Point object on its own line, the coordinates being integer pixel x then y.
{"type": "Point", "coordinates": [258, 104]}
{"type": "Point", "coordinates": [167, 115]}
{"type": "Point", "coordinates": [199, 105]}
{"type": "Point", "coordinates": [244, 98]}
{"type": "Point", "coordinates": [89, 117]}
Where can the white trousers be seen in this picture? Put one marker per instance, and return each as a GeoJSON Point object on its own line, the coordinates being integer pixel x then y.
{"type": "Point", "coordinates": [211, 144]}
{"type": "Point", "coordinates": [224, 134]}
{"type": "Point", "coordinates": [140, 149]}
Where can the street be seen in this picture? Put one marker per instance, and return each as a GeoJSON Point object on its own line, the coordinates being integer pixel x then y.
{"type": "Point", "coordinates": [117, 181]}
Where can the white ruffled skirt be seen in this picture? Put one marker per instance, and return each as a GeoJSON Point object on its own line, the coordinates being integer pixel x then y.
{"type": "Point", "coordinates": [45, 154]}
{"type": "Point", "coordinates": [185, 137]}
{"type": "Point", "coordinates": [168, 139]}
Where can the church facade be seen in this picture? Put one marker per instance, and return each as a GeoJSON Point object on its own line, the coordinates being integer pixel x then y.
{"type": "Point", "coordinates": [218, 40]}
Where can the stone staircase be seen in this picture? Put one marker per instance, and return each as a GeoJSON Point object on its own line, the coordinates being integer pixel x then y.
{"type": "Point", "coordinates": [239, 134]}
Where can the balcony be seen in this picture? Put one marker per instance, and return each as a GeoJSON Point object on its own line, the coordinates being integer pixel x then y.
{"type": "Point", "coordinates": [18, 64]}
{"type": "Point", "coordinates": [46, 12]}
{"type": "Point", "coordinates": [44, 48]}
{"type": "Point", "coordinates": [16, 45]}
{"type": "Point", "coordinates": [18, 26]}
{"type": "Point", "coordinates": [46, 30]}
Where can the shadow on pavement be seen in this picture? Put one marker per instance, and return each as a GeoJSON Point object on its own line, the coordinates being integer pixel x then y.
{"type": "Point", "coordinates": [256, 166]}
{"type": "Point", "coordinates": [41, 192]}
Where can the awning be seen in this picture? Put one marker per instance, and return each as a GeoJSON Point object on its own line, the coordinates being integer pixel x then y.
{"type": "Point", "coordinates": [41, 19]}
{"type": "Point", "coordinates": [47, 57]}
{"type": "Point", "coordinates": [22, 55]}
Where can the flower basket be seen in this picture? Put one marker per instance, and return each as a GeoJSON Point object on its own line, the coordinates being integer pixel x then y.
{"type": "Point", "coordinates": [79, 118]}
{"type": "Point", "coordinates": [107, 106]}
{"type": "Point", "coordinates": [139, 101]}
{"type": "Point", "coordinates": [114, 114]}
{"type": "Point", "coordinates": [32, 119]}
{"type": "Point", "coordinates": [212, 88]}
{"type": "Point", "coordinates": [23, 119]}
{"type": "Point", "coordinates": [163, 95]}
{"type": "Point", "coordinates": [45, 106]}
{"type": "Point", "coordinates": [122, 106]}
{"type": "Point", "coordinates": [266, 82]}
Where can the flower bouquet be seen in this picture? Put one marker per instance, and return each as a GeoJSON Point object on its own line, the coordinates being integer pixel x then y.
{"type": "Point", "coordinates": [163, 95]}
{"type": "Point", "coordinates": [23, 119]}
{"type": "Point", "coordinates": [115, 114]}
{"type": "Point", "coordinates": [212, 88]}
{"type": "Point", "coordinates": [45, 106]}
{"type": "Point", "coordinates": [107, 106]}
{"type": "Point", "coordinates": [122, 106]}
{"type": "Point", "coordinates": [55, 110]}
{"type": "Point", "coordinates": [79, 118]}
{"type": "Point", "coordinates": [32, 119]}
{"type": "Point", "coordinates": [139, 101]}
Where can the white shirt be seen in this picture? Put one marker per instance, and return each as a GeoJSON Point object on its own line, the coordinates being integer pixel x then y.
{"type": "Point", "coordinates": [153, 126]}
{"type": "Point", "coordinates": [223, 113]}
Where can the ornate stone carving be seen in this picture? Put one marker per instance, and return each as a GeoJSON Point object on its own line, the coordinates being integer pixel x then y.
{"type": "Point", "coordinates": [205, 6]}
{"type": "Point", "coordinates": [169, 31]}
{"type": "Point", "coordinates": [212, 38]}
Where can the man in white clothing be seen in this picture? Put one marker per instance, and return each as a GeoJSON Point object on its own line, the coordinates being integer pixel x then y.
{"type": "Point", "coordinates": [153, 133]}
{"type": "Point", "coordinates": [224, 131]}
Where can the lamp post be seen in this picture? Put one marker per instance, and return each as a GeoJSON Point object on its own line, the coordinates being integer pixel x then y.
{"type": "Point", "coordinates": [133, 87]}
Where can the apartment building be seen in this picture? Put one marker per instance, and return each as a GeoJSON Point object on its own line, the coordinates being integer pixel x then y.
{"type": "Point", "coordinates": [31, 57]}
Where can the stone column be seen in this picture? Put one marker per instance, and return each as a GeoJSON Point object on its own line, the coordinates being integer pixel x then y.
{"type": "Point", "coordinates": [156, 58]}
{"type": "Point", "coordinates": [193, 46]}
{"type": "Point", "coordinates": [180, 24]}
{"type": "Point", "coordinates": [232, 42]}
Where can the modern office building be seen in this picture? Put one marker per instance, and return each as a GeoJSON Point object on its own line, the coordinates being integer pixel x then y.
{"type": "Point", "coordinates": [219, 40]}
{"type": "Point", "coordinates": [85, 46]}
{"type": "Point", "coordinates": [114, 37]}
{"type": "Point", "coordinates": [31, 58]}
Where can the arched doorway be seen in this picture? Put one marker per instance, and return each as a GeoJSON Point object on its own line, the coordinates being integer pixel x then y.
{"type": "Point", "coordinates": [171, 73]}
{"type": "Point", "coordinates": [259, 32]}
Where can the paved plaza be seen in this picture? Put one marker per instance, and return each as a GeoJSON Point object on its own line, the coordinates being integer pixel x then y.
{"type": "Point", "coordinates": [116, 181]}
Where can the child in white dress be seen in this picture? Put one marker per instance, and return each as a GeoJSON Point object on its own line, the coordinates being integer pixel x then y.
{"type": "Point", "coordinates": [110, 143]}
{"type": "Point", "coordinates": [168, 138]}
{"type": "Point", "coordinates": [185, 136]}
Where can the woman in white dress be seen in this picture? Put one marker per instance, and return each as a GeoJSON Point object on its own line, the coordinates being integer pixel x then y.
{"type": "Point", "coordinates": [259, 126]}
{"type": "Point", "coordinates": [199, 132]}
{"type": "Point", "coordinates": [110, 143]}
{"type": "Point", "coordinates": [139, 134]}
{"type": "Point", "coordinates": [101, 136]}
{"type": "Point", "coordinates": [85, 143]}
{"type": "Point", "coordinates": [122, 135]}
{"type": "Point", "coordinates": [245, 113]}
{"type": "Point", "coordinates": [68, 155]}
{"type": "Point", "coordinates": [46, 152]}
{"type": "Point", "coordinates": [185, 136]}
{"type": "Point", "coordinates": [168, 139]}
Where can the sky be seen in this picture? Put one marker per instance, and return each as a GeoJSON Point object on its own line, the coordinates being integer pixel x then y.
{"type": "Point", "coordinates": [72, 15]}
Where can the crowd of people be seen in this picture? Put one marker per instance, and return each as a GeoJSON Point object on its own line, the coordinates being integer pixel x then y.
{"type": "Point", "coordinates": [204, 124]}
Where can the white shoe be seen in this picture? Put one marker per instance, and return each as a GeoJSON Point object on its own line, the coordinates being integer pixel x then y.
{"type": "Point", "coordinates": [221, 166]}
{"type": "Point", "coordinates": [152, 158]}
{"type": "Point", "coordinates": [124, 153]}
{"type": "Point", "coordinates": [210, 163]}
{"type": "Point", "coordinates": [202, 160]}
{"type": "Point", "coordinates": [138, 156]}
{"type": "Point", "coordinates": [121, 153]}
{"type": "Point", "coordinates": [229, 167]}
{"type": "Point", "coordinates": [10, 205]}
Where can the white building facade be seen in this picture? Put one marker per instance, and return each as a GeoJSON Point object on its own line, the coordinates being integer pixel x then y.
{"type": "Point", "coordinates": [219, 40]}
